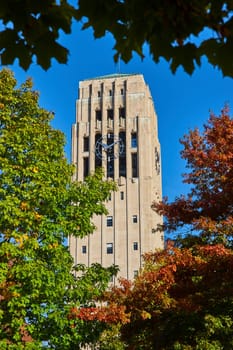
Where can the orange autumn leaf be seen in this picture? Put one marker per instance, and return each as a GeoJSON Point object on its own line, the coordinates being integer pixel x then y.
{"type": "Point", "coordinates": [207, 207]}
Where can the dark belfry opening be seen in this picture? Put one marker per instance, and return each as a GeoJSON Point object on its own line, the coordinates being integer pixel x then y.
{"type": "Point", "coordinates": [98, 159]}
{"type": "Point", "coordinates": [122, 112]}
{"type": "Point", "coordinates": [110, 168]}
{"type": "Point", "coordinates": [85, 167]}
{"type": "Point", "coordinates": [110, 114]}
{"type": "Point", "coordinates": [85, 144]}
{"type": "Point", "coordinates": [134, 165]}
{"type": "Point", "coordinates": [110, 157]}
{"type": "Point", "coordinates": [98, 115]}
{"type": "Point", "coordinates": [122, 156]}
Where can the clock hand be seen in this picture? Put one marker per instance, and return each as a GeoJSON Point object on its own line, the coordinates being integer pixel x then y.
{"type": "Point", "coordinates": [104, 145]}
{"type": "Point", "coordinates": [112, 144]}
{"type": "Point", "coordinates": [117, 141]}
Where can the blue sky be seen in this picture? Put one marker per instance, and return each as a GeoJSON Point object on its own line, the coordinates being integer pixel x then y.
{"type": "Point", "coordinates": [182, 102]}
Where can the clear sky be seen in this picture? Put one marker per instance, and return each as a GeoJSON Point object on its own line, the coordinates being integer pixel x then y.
{"type": "Point", "coordinates": [182, 102]}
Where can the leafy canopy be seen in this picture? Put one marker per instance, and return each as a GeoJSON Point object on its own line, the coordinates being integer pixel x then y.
{"type": "Point", "coordinates": [181, 300]}
{"type": "Point", "coordinates": [38, 283]}
{"type": "Point", "coordinates": [180, 31]}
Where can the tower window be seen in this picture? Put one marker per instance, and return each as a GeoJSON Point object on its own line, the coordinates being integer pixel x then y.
{"type": "Point", "coordinates": [109, 221]}
{"type": "Point", "coordinates": [84, 249]}
{"type": "Point", "coordinates": [122, 166]}
{"type": "Point", "coordinates": [122, 195]}
{"type": "Point", "coordinates": [135, 245]}
{"type": "Point", "coordinates": [122, 137]}
{"type": "Point", "coordinates": [122, 91]}
{"type": "Point", "coordinates": [135, 219]}
{"type": "Point", "coordinates": [85, 167]}
{"type": "Point", "coordinates": [110, 92]}
{"type": "Point", "coordinates": [134, 165]}
{"type": "Point", "coordinates": [98, 93]}
{"type": "Point", "coordinates": [98, 114]}
{"type": "Point", "coordinates": [110, 114]}
{"type": "Point", "coordinates": [86, 144]}
{"type": "Point", "coordinates": [134, 142]}
{"type": "Point", "coordinates": [122, 112]}
{"type": "Point", "coordinates": [110, 168]}
{"type": "Point", "coordinates": [98, 160]}
{"type": "Point", "coordinates": [122, 158]}
{"type": "Point", "coordinates": [109, 248]}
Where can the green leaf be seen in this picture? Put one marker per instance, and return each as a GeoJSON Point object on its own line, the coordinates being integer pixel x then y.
{"type": "Point", "coordinates": [37, 281]}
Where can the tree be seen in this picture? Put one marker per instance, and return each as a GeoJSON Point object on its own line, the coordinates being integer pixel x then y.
{"type": "Point", "coordinates": [182, 299]}
{"type": "Point", "coordinates": [172, 29]}
{"type": "Point", "coordinates": [208, 207]}
{"type": "Point", "coordinates": [40, 207]}
{"type": "Point", "coordinates": [32, 29]}
{"type": "Point", "coordinates": [179, 31]}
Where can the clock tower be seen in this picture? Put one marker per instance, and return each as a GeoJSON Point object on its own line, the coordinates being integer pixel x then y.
{"type": "Point", "coordinates": [116, 129]}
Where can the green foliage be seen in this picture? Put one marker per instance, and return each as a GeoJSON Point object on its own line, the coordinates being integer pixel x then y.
{"type": "Point", "coordinates": [173, 30]}
{"type": "Point", "coordinates": [35, 31]}
{"type": "Point", "coordinates": [40, 207]}
{"type": "Point", "coordinates": [111, 340]}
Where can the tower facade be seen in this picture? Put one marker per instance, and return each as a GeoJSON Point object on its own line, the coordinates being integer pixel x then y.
{"type": "Point", "coordinates": [116, 129]}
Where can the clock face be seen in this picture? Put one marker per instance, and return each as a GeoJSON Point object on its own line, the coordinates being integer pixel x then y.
{"type": "Point", "coordinates": [109, 147]}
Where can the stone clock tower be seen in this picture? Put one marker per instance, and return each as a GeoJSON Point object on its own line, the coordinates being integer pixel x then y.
{"type": "Point", "coordinates": [116, 128]}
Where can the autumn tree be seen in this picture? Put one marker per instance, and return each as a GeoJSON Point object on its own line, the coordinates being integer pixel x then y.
{"type": "Point", "coordinates": [179, 31]}
{"type": "Point", "coordinates": [181, 300]}
{"type": "Point", "coordinates": [40, 207]}
{"type": "Point", "coordinates": [208, 207]}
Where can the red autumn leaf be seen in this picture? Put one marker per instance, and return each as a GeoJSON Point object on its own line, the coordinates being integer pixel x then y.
{"type": "Point", "coordinates": [208, 206]}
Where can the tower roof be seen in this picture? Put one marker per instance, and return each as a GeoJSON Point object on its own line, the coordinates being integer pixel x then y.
{"type": "Point", "coordinates": [112, 76]}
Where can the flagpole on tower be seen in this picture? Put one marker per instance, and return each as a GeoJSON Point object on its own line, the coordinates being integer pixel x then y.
{"type": "Point", "coordinates": [118, 65]}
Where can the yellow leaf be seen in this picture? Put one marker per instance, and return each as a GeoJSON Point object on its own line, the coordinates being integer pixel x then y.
{"type": "Point", "coordinates": [35, 170]}
{"type": "Point", "coordinates": [23, 206]}
{"type": "Point", "coordinates": [145, 315]}
{"type": "Point", "coordinates": [37, 216]}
